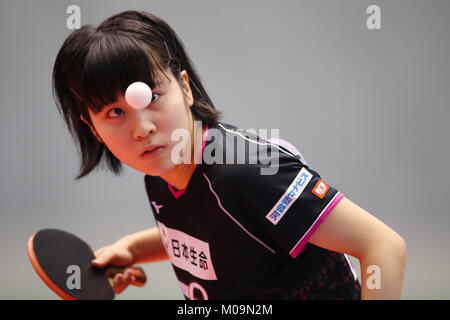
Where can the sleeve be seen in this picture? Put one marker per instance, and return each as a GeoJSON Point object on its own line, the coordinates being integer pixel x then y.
{"type": "Point", "coordinates": [289, 204]}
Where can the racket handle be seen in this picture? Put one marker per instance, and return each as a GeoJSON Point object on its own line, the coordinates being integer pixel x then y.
{"type": "Point", "coordinates": [137, 272]}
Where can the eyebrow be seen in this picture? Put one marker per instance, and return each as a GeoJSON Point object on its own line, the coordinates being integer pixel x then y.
{"type": "Point", "coordinates": [160, 84]}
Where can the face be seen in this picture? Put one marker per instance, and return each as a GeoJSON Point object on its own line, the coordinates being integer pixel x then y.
{"type": "Point", "coordinates": [127, 132]}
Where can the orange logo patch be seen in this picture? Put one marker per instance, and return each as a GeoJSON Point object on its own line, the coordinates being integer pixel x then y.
{"type": "Point", "coordinates": [321, 189]}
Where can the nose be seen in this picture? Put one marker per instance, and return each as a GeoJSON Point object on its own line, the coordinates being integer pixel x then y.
{"type": "Point", "coordinates": [143, 125]}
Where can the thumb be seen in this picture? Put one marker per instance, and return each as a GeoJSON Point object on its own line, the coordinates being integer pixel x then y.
{"type": "Point", "coordinates": [102, 260]}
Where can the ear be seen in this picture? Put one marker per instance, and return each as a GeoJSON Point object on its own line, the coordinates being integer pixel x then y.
{"type": "Point", "coordinates": [94, 132]}
{"type": "Point", "coordinates": [187, 89]}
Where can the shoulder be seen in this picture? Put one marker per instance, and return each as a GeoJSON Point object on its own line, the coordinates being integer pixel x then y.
{"type": "Point", "coordinates": [233, 145]}
{"type": "Point", "coordinates": [239, 158]}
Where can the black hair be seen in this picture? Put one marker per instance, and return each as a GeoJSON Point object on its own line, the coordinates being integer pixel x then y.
{"type": "Point", "coordinates": [94, 65]}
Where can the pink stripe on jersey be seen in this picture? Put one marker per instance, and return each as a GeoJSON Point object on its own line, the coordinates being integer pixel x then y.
{"type": "Point", "coordinates": [300, 246]}
{"type": "Point", "coordinates": [179, 193]}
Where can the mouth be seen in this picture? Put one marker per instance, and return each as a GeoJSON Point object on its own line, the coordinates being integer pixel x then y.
{"type": "Point", "coordinates": [152, 151]}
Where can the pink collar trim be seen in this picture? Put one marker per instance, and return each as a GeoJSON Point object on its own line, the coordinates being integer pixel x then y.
{"type": "Point", "coordinates": [176, 193]}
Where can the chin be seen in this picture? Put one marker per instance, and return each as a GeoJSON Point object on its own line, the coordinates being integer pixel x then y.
{"type": "Point", "coordinates": [159, 169]}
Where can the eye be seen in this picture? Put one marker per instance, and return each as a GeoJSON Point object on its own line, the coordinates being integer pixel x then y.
{"type": "Point", "coordinates": [115, 113]}
{"type": "Point", "coordinates": [157, 94]}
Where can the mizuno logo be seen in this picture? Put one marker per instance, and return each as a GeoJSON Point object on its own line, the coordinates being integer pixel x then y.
{"type": "Point", "coordinates": [157, 207]}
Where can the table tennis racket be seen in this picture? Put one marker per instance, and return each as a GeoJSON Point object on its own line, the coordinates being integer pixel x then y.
{"type": "Point", "coordinates": [64, 262]}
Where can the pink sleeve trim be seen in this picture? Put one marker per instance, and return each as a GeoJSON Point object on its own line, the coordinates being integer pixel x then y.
{"type": "Point", "coordinates": [300, 246]}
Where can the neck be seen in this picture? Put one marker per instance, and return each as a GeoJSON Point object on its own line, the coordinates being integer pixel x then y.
{"type": "Point", "coordinates": [179, 176]}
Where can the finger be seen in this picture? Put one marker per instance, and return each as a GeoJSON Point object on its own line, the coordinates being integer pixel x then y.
{"type": "Point", "coordinates": [128, 277]}
{"type": "Point", "coordinates": [103, 259]}
{"type": "Point", "coordinates": [111, 271]}
{"type": "Point", "coordinates": [123, 281]}
{"type": "Point", "coordinates": [128, 274]}
{"type": "Point", "coordinates": [120, 284]}
{"type": "Point", "coordinates": [118, 280]}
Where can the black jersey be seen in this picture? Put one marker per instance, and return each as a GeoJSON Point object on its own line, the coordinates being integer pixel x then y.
{"type": "Point", "coordinates": [241, 231]}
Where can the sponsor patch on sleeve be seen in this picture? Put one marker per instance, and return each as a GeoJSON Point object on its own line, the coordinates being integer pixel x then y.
{"type": "Point", "coordinates": [320, 189]}
{"type": "Point", "coordinates": [292, 193]}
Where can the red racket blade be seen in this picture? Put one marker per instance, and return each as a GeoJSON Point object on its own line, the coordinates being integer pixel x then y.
{"type": "Point", "coordinates": [64, 262]}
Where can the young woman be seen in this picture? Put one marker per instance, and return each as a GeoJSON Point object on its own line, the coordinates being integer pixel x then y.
{"type": "Point", "coordinates": [230, 230]}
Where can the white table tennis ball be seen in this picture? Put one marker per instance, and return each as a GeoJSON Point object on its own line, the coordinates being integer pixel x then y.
{"type": "Point", "coordinates": [138, 95]}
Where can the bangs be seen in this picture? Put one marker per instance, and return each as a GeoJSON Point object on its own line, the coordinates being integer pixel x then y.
{"type": "Point", "coordinates": [113, 62]}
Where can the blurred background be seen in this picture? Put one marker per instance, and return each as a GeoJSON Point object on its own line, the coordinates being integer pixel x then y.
{"type": "Point", "coordinates": [368, 109]}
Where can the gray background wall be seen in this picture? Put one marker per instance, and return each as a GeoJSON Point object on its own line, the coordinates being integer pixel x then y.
{"type": "Point", "coordinates": [367, 108]}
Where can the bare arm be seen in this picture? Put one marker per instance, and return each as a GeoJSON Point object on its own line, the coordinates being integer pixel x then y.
{"type": "Point", "coordinates": [145, 246]}
{"type": "Point", "coordinates": [350, 229]}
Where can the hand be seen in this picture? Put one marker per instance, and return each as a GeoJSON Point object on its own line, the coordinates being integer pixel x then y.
{"type": "Point", "coordinates": [117, 255]}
